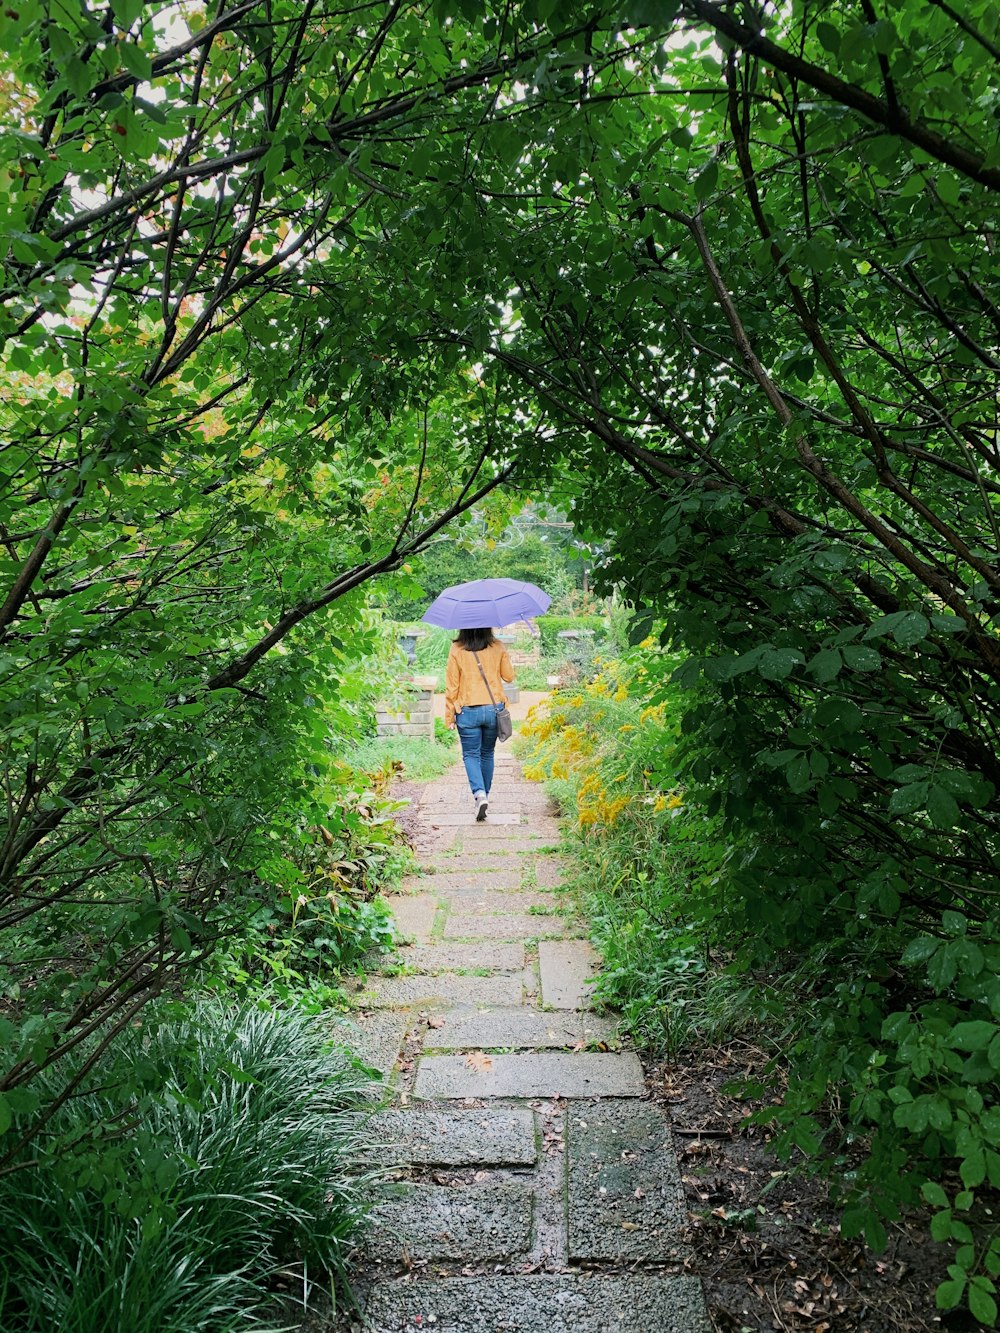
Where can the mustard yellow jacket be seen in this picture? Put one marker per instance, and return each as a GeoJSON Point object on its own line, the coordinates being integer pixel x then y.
{"type": "Point", "coordinates": [464, 686]}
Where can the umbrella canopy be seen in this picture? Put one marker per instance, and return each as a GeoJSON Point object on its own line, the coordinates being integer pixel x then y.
{"type": "Point", "coordinates": [486, 602]}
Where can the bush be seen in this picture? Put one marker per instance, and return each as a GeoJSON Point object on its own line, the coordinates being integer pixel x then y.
{"type": "Point", "coordinates": [883, 1079]}
{"type": "Point", "coordinates": [551, 627]}
{"type": "Point", "coordinates": [646, 856]}
{"type": "Point", "coordinates": [236, 1160]}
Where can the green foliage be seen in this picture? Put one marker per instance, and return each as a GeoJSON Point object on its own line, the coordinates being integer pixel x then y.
{"type": "Point", "coordinates": [535, 546]}
{"type": "Point", "coordinates": [413, 758]}
{"type": "Point", "coordinates": [551, 626]}
{"type": "Point", "coordinates": [211, 445]}
{"type": "Point", "coordinates": [747, 344]}
{"type": "Point", "coordinates": [673, 885]}
{"type": "Point", "coordinates": [431, 655]}
{"type": "Point", "coordinates": [243, 1164]}
{"type": "Point", "coordinates": [648, 860]}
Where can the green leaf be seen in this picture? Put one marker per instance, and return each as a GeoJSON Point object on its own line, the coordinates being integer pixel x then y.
{"type": "Point", "coordinates": [975, 1035]}
{"type": "Point", "coordinates": [949, 1294]}
{"type": "Point", "coordinates": [778, 663]}
{"type": "Point", "coordinates": [920, 949]}
{"type": "Point", "coordinates": [934, 1194]}
{"type": "Point", "coordinates": [826, 664]}
{"type": "Point", "coordinates": [982, 1303]}
{"type": "Point", "coordinates": [942, 807]}
{"type": "Point", "coordinates": [829, 37]}
{"type": "Point", "coordinates": [860, 658]}
{"type": "Point", "coordinates": [905, 800]}
{"type": "Point", "coordinates": [706, 180]}
{"type": "Point", "coordinates": [972, 1168]}
{"type": "Point", "coordinates": [135, 60]}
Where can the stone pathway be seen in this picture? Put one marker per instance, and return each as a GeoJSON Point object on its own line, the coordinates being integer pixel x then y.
{"type": "Point", "coordinates": [538, 1191]}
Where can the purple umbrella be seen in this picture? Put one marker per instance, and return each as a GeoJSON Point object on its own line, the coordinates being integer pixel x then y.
{"type": "Point", "coordinates": [486, 602]}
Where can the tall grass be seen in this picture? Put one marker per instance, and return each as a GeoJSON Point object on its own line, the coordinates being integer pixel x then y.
{"type": "Point", "coordinates": [240, 1164]}
{"type": "Point", "coordinates": [415, 758]}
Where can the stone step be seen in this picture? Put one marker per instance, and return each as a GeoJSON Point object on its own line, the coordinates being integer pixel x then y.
{"type": "Point", "coordinates": [413, 914]}
{"type": "Point", "coordinates": [460, 818]}
{"type": "Point", "coordinates": [494, 1136]}
{"type": "Point", "coordinates": [445, 1222]}
{"type": "Point", "coordinates": [432, 958]}
{"type": "Point", "coordinates": [486, 876]}
{"type": "Point", "coordinates": [504, 1029]}
{"type": "Point", "coordinates": [487, 902]}
{"type": "Point", "coordinates": [441, 991]}
{"type": "Point", "coordinates": [530, 835]}
{"type": "Point", "coordinates": [624, 1197]}
{"type": "Point", "coordinates": [507, 870]}
{"type": "Point", "coordinates": [510, 926]}
{"type": "Point", "coordinates": [566, 968]}
{"type": "Point", "coordinates": [551, 1074]}
{"type": "Point", "coordinates": [558, 1303]}
{"type": "Point", "coordinates": [375, 1039]}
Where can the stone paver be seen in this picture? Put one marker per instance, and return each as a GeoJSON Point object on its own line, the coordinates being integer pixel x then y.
{"type": "Point", "coordinates": [375, 1039]}
{"type": "Point", "coordinates": [486, 876]}
{"type": "Point", "coordinates": [624, 1197]}
{"type": "Point", "coordinates": [491, 1136]}
{"type": "Point", "coordinates": [413, 914]}
{"type": "Point", "coordinates": [583, 1175]}
{"type": "Point", "coordinates": [511, 1028]}
{"type": "Point", "coordinates": [443, 989]}
{"type": "Point", "coordinates": [464, 817]}
{"type": "Point", "coordinates": [463, 957]}
{"type": "Point", "coordinates": [567, 968]}
{"type": "Point", "coordinates": [550, 1074]}
{"type": "Point", "coordinates": [560, 1303]}
{"type": "Point", "coordinates": [527, 835]}
{"type": "Point", "coordinates": [504, 870]}
{"type": "Point", "coordinates": [510, 926]}
{"type": "Point", "coordinates": [493, 857]}
{"type": "Point", "coordinates": [490, 902]}
{"type": "Point", "coordinates": [439, 1222]}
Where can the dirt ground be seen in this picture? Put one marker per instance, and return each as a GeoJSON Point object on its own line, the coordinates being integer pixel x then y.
{"type": "Point", "coordinates": [766, 1240]}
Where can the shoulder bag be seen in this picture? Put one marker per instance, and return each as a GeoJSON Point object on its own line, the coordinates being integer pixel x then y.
{"type": "Point", "coordinates": [505, 727]}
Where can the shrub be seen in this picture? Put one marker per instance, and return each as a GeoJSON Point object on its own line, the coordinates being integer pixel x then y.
{"type": "Point", "coordinates": [551, 627]}
{"type": "Point", "coordinates": [646, 855]}
{"type": "Point", "coordinates": [885, 1030]}
{"type": "Point", "coordinates": [236, 1160]}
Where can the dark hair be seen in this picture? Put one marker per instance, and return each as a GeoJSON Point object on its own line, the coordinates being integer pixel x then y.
{"type": "Point", "coordinates": [474, 640]}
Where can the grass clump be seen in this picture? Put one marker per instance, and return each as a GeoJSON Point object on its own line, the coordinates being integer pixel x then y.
{"type": "Point", "coordinates": [415, 758]}
{"type": "Point", "coordinates": [213, 1152]}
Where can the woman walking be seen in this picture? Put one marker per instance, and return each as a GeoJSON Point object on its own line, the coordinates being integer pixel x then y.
{"type": "Point", "coordinates": [478, 666]}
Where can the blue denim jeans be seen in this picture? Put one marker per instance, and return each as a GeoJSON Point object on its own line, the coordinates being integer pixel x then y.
{"type": "Point", "coordinates": [477, 733]}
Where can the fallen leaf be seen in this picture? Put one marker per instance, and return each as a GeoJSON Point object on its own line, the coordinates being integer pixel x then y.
{"type": "Point", "coordinates": [479, 1061]}
{"type": "Point", "coordinates": [435, 1022]}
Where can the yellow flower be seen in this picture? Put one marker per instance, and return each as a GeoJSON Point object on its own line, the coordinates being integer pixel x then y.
{"type": "Point", "coordinates": [614, 808]}
{"type": "Point", "coordinates": [627, 727]}
{"type": "Point", "coordinates": [674, 802]}
{"type": "Point", "coordinates": [659, 804]}
{"type": "Point", "coordinates": [621, 694]}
